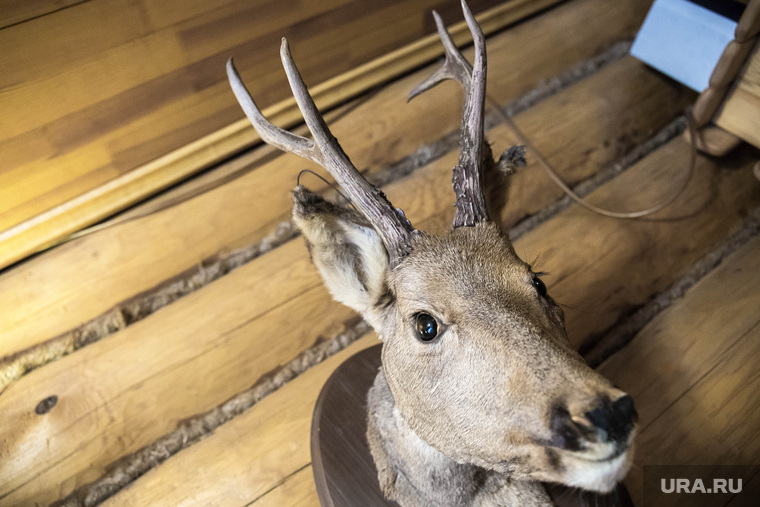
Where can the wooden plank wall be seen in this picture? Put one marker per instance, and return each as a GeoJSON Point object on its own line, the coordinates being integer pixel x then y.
{"type": "Point", "coordinates": [92, 92]}
{"type": "Point", "coordinates": [177, 347]}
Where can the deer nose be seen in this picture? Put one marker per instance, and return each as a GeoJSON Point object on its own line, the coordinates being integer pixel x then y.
{"type": "Point", "coordinates": [614, 420]}
{"type": "Point", "coordinates": [610, 422]}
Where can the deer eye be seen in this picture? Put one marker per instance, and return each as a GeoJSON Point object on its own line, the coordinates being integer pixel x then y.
{"type": "Point", "coordinates": [539, 285]}
{"type": "Point", "coordinates": [427, 327]}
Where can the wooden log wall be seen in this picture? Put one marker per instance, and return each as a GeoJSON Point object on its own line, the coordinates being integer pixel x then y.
{"type": "Point", "coordinates": [99, 96]}
{"type": "Point", "coordinates": [197, 337]}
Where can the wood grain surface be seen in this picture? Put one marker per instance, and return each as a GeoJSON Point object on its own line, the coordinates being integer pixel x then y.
{"type": "Point", "coordinates": [46, 457]}
{"type": "Point", "coordinates": [740, 113]}
{"type": "Point", "coordinates": [123, 98]}
{"type": "Point", "coordinates": [344, 471]}
{"type": "Point", "coordinates": [298, 490]}
{"type": "Point", "coordinates": [265, 445]}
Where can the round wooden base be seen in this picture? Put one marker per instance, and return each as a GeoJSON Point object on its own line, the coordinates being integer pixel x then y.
{"type": "Point", "coordinates": [344, 471]}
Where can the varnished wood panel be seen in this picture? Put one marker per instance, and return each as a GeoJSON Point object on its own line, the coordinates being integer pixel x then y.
{"type": "Point", "coordinates": [130, 82]}
{"type": "Point", "coordinates": [119, 263]}
{"type": "Point", "coordinates": [19, 11]}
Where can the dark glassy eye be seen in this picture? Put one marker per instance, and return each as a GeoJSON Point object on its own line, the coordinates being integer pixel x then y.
{"type": "Point", "coordinates": [539, 285]}
{"type": "Point", "coordinates": [427, 327]}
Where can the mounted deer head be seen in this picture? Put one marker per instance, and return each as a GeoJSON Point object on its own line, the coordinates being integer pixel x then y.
{"type": "Point", "coordinates": [477, 367]}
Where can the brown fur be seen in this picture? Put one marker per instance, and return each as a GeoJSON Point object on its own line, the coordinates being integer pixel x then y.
{"type": "Point", "coordinates": [467, 415]}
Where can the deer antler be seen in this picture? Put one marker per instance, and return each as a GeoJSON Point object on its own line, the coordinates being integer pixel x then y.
{"type": "Point", "coordinates": [392, 226]}
{"type": "Point", "coordinates": [468, 174]}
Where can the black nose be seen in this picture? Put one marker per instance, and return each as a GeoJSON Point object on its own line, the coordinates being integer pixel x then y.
{"type": "Point", "coordinates": [614, 419]}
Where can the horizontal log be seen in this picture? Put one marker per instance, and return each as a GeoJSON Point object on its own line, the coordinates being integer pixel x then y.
{"type": "Point", "coordinates": [269, 442]}
{"type": "Point", "coordinates": [156, 103]}
{"type": "Point", "coordinates": [168, 367]}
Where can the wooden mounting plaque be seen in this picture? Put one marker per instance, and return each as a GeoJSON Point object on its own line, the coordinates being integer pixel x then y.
{"type": "Point", "coordinates": [344, 471]}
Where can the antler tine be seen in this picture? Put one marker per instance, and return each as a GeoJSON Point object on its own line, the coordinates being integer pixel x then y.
{"type": "Point", "coordinates": [468, 179]}
{"type": "Point", "coordinates": [455, 66]}
{"type": "Point", "coordinates": [270, 134]}
{"type": "Point", "coordinates": [390, 223]}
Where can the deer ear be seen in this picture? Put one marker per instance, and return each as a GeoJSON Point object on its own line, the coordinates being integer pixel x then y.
{"type": "Point", "coordinates": [346, 250]}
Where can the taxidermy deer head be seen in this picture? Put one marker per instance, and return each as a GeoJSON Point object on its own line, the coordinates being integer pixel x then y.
{"type": "Point", "coordinates": [477, 363]}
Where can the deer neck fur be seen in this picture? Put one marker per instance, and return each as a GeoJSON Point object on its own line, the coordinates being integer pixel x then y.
{"type": "Point", "coordinates": [413, 473]}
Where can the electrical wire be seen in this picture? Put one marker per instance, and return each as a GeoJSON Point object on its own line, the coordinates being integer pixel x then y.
{"type": "Point", "coordinates": [552, 173]}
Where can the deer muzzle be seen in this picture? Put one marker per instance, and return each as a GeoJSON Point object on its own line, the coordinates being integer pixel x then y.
{"type": "Point", "coordinates": [603, 432]}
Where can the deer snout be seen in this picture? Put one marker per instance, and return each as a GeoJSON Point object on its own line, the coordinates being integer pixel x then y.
{"type": "Point", "coordinates": [609, 422]}
{"type": "Point", "coordinates": [614, 420]}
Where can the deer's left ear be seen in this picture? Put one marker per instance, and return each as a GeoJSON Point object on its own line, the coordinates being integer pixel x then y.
{"type": "Point", "coordinates": [346, 250]}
